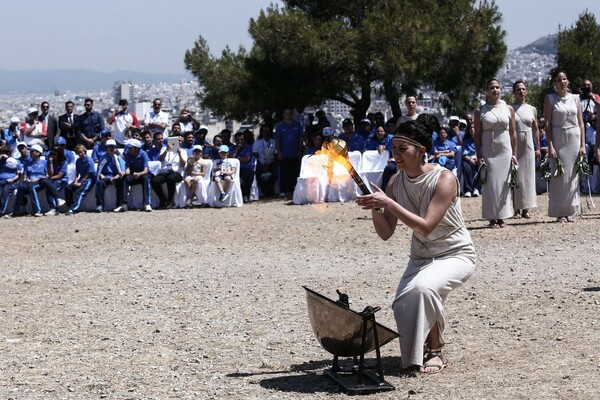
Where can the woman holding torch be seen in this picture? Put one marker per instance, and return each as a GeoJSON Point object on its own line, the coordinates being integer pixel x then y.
{"type": "Point", "coordinates": [426, 198]}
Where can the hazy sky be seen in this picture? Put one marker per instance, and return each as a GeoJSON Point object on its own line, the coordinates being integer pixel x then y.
{"type": "Point", "coordinates": [148, 36]}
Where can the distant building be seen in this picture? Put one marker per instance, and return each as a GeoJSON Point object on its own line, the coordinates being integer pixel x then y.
{"type": "Point", "coordinates": [123, 90]}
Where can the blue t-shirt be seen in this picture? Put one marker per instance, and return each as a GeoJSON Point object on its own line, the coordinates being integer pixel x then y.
{"type": "Point", "coordinates": [62, 167]}
{"type": "Point", "coordinates": [468, 147]}
{"type": "Point", "coordinates": [36, 169]}
{"type": "Point", "coordinates": [374, 143]}
{"type": "Point", "coordinates": [289, 138]}
{"type": "Point", "coordinates": [111, 166]}
{"type": "Point", "coordinates": [7, 173]}
{"type": "Point", "coordinates": [153, 152]}
{"type": "Point", "coordinates": [310, 150]}
{"type": "Point", "coordinates": [245, 151]}
{"type": "Point", "coordinates": [356, 143]}
{"type": "Point", "coordinates": [98, 152]}
{"type": "Point", "coordinates": [136, 164]}
{"type": "Point", "coordinates": [85, 166]}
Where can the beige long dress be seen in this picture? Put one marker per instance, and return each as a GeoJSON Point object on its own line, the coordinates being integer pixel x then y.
{"type": "Point", "coordinates": [563, 191]}
{"type": "Point", "coordinates": [497, 197]}
{"type": "Point", "coordinates": [524, 195]}
{"type": "Point", "coordinates": [438, 264]}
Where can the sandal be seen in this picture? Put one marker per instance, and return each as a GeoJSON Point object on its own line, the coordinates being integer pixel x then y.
{"type": "Point", "coordinates": [525, 214]}
{"type": "Point", "coordinates": [561, 219]}
{"type": "Point", "coordinates": [436, 362]}
{"type": "Point", "coordinates": [517, 215]}
{"type": "Point", "coordinates": [570, 219]}
{"type": "Point", "coordinates": [493, 224]}
{"type": "Point", "coordinates": [501, 223]}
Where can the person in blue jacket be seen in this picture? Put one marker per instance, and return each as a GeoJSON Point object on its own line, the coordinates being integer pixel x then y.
{"type": "Point", "coordinates": [57, 179]}
{"type": "Point", "coordinates": [136, 173]}
{"type": "Point", "coordinates": [10, 173]}
{"type": "Point", "coordinates": [85, 179]}
{"type": "Point", "coordinates": [35, 172]}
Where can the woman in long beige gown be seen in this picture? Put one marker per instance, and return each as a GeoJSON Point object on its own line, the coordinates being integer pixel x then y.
{"type": "Point", "coordinates": [528, 145]}
{"type": "Point", "coordinates": [496, 146]}
{"type": "Point", "coordinates": [566, 140]}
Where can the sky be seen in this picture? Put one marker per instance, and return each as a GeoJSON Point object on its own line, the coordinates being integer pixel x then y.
{"type": "Point", "coordinates": [147, 36]}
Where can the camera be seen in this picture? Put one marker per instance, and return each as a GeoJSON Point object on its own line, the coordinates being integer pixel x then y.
{"type": "Point", "coordinates": [585, 93]}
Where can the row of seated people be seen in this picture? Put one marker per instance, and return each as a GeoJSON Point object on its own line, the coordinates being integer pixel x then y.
{"type": "Point", "coordinates": [33, 171]}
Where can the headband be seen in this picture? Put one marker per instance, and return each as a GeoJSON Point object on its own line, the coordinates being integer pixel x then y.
{"type": "Point", "coordinates": [409, 141]}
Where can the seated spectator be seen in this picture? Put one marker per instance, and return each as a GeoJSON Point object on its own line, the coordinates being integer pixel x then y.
{"type": "Point", "coordinates": [136, 173]}
{"type": "Point", "coordinates": [380, 141]}
{"type": "Point", "coordinates": [189, 141]}
{"type": "Point", "coordinates": [99, 149]}
{"type": "Point", "coordinates": [212, 152]}
{"type": "Point", "coordinates": [22, 153]}
{"type": "Point", "coordinates": [195, 170]}
{"type": "Point", "coordinates": [110, 170]}
{"type": "Point", "coordinates": [243, 152]}
{"type": "Point", "coordinates": [10, 173]}
{"type": "Point", "coordinates": [57, 179]}
{"type": "Point", "coordinates": [172, 162]}
{"type": "Point", "coordinates": [267, 171]}
{"type": "Point", "coordinates": [443, 150]}
{"type": "Point", "coordinates": [35, 171]}
{"type": "Point", "coordinates": [85, 179]}
{"type": "Point", "coordinates": [315, 143]}
{"type": "Point", "coordinates": [135, 133]}
{"type": "Point", "coordinates": [61, 143]}
{"type": "Point", "coordinates": [223, 173]}
{"type": "Point", "coordinates": [469, 164]}
{"type": "Point", "coordinates": [354, 141]}
{"type": "Point", "coordinates": [200, 136]}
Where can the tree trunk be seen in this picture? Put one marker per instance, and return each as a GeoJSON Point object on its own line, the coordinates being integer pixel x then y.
{"type": "Point", "coordinates": [393, 98]}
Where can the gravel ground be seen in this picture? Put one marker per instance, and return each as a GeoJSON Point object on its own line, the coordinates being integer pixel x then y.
{"type": "Point", "coordinates": [208, 303]}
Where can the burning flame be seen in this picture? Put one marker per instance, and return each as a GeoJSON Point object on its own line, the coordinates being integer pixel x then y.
{"type": "Point", "coordinates": [337, 151]}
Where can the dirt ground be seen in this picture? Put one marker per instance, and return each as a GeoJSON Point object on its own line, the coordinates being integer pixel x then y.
{"type": "Point", "coordinates": [208, 303]}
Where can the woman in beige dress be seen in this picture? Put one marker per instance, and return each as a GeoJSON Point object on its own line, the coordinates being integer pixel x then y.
{"type": "Point", "coordinates": [496, 146]}
{"type": "Point", "coordinates": [566, 140]}
{"type": "Point", "coordinates": [426, 198]}
{"type": "Point", "coordinates": [528, 145]}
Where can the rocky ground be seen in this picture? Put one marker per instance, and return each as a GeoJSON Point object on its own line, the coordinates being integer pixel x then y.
{"type": "Point", "coordinates": [209, 303]}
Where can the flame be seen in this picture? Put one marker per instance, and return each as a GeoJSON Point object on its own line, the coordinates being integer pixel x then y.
{"type": "Point", "coordinates": [336, 152]}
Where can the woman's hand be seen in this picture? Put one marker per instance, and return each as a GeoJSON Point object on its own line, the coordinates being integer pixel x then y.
{"type": "Point", "coordinates": [552, 153]}
{"type": "Point", "coordinates": [377, 200]}
{"type": "Point", "coordinates": [582, 150]}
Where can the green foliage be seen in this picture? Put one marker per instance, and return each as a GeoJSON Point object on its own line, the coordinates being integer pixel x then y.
{"type": "Point", "coordinates": [308, 51]}
{"type": "Point", "coordinates": [578, 50]}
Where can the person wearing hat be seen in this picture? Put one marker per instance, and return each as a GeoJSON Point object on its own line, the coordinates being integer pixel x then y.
{"type": "Point", "coordinates": [99, 149]}
{"type": "Point", "coordinates": [90, 125]}
{"type": "Point", "coordinates": [110, 171]}
{"type": "Point", "coordinates": [35, 172]}
{"type": "Point", "coordinates": [170, 173]}
{"type": "Point", "coordinates": [61, 143]}
{"type": "Point", "coordinates": [10, 173]}
{"type": "Point", "coordinates": [34, 131]}
{"type": "Point", "coordinates": [122, 119]}
{"type": "Point", "coordinates": [364, 129]}
{"type": "Point", "coordinates": [223, 173]}
{"type": "Point", "coordinates": [85, 179]}
{"type": "Point", "coordinates": [12, 134]}
{"type": "Point", "coordinates": [22, 153]}
{"type": "Point", "coordinates": [57, 179]}
{"type": "Point", "coordinates": [195, 170]}
{"type": "Point", "coordinates": [354, 141]}
{"type": "Point", "coordinates": [136, 173]}
{"type": "Point", "coordinates": [200, 136]}
{"type": "Point", "coordinates": [455, 133]}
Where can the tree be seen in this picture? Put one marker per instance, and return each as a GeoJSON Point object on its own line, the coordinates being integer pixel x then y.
{"type": "Point", "coordinates": [309, 51]}
{"type": "Point", "coordinates": [578, 50]}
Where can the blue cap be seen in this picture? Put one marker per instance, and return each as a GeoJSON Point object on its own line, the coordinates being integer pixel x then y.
{"type": "Point", "coordinates": [224, 149]}
{"type": "Point", "coordinates": [327, 131]}
{"type": "Point", "coordinates": [60, 141]}
{"type": "Point", "coordinates": [442, 160]}
{"type": "Point", "coordinates": [106, 132]}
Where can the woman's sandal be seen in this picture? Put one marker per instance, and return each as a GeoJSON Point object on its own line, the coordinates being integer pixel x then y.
{"type": "Point", "coordinates": [501, 223]}
{"type": "Point", "coordinates": [570, 219]}
{"type": "Point", "coordinates": [517, 214]}
{"type": "Point", "coordinates": [525, 214]}
{"type": "Point", "coordinates": [493, 224]}
{"type": "Point", "coordinates": [561, 219]}
{"type": "Point", "coordinates": [435, 361]}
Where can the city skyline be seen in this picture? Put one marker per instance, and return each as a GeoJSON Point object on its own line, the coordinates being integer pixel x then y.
{"type": "Point", "coordinates": [132, 36]}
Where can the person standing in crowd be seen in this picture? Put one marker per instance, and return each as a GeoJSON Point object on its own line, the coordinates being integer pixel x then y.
{"type": "Point", "coordinates": [267, 171]}
{"type": "Point", "coordinates": [35, 173]}
{"type": "Point", "coordinates": [110, 170]}
{"type": "Point", "coordinates": [90, 125]}
{"type": "Point", "coordinates": [49, 120]}
{"type": "Point", "coordinates": [57, 179]}
{"type": "Point", "coordinates": [85, 179]}
{"type": "Point", "coordinates": [426, 198]}
{"type": "Point", "coordinates": [496, 146]}
{"type": "Point", "coordinates": [566, 141]}
{"type": "Point", "coordinates": [171, 169]}
{"type": "Point", "coordinates": [288, 144]}
{"type": "Point", "coordinates": [469, 163]}
{"type": "Point", "coordinates": [243, 152]}
{"type": "Point", "coordinates": [411, 110]}
{"type": "Point", "coordinates": [123, 120]}
{"type": "Point", "coordinates": [12, 134]}
{"type": "Point", "coordinates": [67, 123]}
{"type": "Point", "coordinates": [156, 120]}
{"type": "Point", "coordinates": [187, 123]}
{"type": "Point", "coordinates": [34, 131]}
{"type": "Point", "coordinates": [136, 173]}
{"type": "Point", "coordinates": [528, 141]}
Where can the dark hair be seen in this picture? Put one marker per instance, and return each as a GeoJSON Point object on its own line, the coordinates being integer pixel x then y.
{"type": "Point", "coordinates": [418, 131]}
{"type": "Point", "coordinates": [60, 155]}
{"type": "Point", "coordinates": [88, 100]}
{"type": "Point", "coordinates": [517, 83]}
{"type": "Point", "coordinates": [490, 81]}
{"type": "Point", "coordinates": [559, 71]}
{"type": "Point", "coordinates": [156, 134]}
{"type": "Point", "coordinates": [69, 102]}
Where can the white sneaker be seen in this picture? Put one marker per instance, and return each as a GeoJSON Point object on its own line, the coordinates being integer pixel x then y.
{"type": "Point", "coordinates": [60, 202]}
{"type": "Point", "coordinates": [50, 213]}
{"type": "Point", "coordinates": [39, 214]}
{"type": "Point", "coordinates": [468, 194]}
{"type": "Point", "coordinates": [120, 209]}
{"type": "Point", "coordinates": [475, 193]}
{"type": "Point", "coordinates": [148, 208]}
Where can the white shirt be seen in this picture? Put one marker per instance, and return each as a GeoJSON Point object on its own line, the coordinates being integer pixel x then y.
{"type": "Point", "coordinates": [153, 118]}
{"type": "Point", "coordinates": [120, 123]}
{"type": "Point", "coordinates": [265, 150]}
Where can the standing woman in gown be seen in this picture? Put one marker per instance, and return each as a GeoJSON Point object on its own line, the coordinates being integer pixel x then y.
{"type": "Point", "coordinates": [426, 198]}
{"type": "Point", "coordinates": [528, 145]}
{"type": "Point", "coordinates": [566, 140]}
{"type": "Point", "coordinates": [496, 146]}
